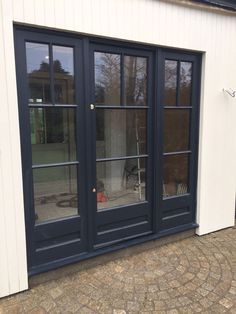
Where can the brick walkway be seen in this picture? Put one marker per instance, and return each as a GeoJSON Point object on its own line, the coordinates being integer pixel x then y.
{"type": "Point", "coordinates": [195, 275]}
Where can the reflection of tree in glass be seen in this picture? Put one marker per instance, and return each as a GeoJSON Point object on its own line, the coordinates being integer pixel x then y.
{"type": "Point", "coordinates": [107, 78]}
{"type": "Point", "coordinates": [170, 82]}
{"type": "Point", "coordinates": [135, 80]}
{"type": "Point", "coordinates": [185, 78]}
{"type": "Point", "coordinates": [44, 67]}
{"type": "Point", "coordinates": [185, 83]}
{"type": "Point", "coordinates": [39, 84]}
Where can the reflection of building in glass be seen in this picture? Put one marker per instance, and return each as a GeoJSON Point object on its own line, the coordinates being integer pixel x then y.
{"type": "Point", "coordinates": [39, 85]}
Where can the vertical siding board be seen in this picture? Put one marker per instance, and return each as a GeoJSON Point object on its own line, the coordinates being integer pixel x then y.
{"type": "Point", "coordinates": [18, 10]}
{"type": "Point", "coordinates": [10, 157]}
{"type": "Point", "coordinates": [159, 18]}
{"type": "Point", "coordinates": [49, 13]}
{"type": "Point", "coordinates": [39, 12]}
{"type": "Point", "coordinates": [69, 14]}
{"type": "Point", "coordinates": [4, 282]}
{"type": "Point", "coordinates": [59, 6]}
{"type": "Point", "coordinates": [7, 174]}
{"type": "Point", "coordinates": [82, 19]}
{"type": "Point", "coordinates": [29, 11]}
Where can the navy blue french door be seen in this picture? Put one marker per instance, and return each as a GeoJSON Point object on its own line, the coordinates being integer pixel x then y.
{"type": "Point", "coordinates": [121, 116]}
{"type": "Point", "coordinates": [86, 148]}
{"type": "Point", "coordinates": [109, 141]}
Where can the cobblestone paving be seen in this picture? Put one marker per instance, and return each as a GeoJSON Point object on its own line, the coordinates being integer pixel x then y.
{"type": "Point", "coordinates": [195, 275]}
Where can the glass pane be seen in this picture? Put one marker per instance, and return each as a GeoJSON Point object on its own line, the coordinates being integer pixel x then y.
{"type": "Point", "coordinates": [107, 78]}
{"type": "Point", "coordinates": [37, 59]}
{"type": "Point", "coordinates": [55, 192]}
{"type": "Point", "coordinates": [185, 83]}
{"type": "Point", "coordinates": [120, 132]}
{"type": "Point", "coordinates": [52, 135]}
{"type": "Point", "coordinates": [176, 130]}
{"type": "Point", "coordinates": [135, 75]}
{"type": "Point", "coordinates": [175, 175]}
{"type": "Point", "coordinates": [63, 66]}
{"type": "Point", "coordinates": [121, 182]}
{"type": "Point", "coordinates": [170, 91]}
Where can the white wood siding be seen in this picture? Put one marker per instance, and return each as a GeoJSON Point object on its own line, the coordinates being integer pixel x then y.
{"type": "Point", "coordinates": [147, 21]}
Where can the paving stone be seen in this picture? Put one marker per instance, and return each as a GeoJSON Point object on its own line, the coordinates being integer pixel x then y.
{"type": "Point", "coordinates": [226, 303]}
{"type": "Point", "coordinates": [195, 275]}
{"type": "Point", "coordinates": [55, 293]}
{"type": "Point", "coordinates": [117, 311]}
{"type": "Point", "coordinates": [38, 310]}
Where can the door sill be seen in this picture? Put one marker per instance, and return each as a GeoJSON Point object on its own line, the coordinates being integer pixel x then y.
{"type": "Point", "coordinates": [170, 235]}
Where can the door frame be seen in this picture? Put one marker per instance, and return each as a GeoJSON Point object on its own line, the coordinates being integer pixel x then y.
{"type": "Point", "coordinates": [86, 97]}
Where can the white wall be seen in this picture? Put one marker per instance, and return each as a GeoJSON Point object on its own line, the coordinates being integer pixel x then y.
{"type": "Point", "coordinates": [147, 21]}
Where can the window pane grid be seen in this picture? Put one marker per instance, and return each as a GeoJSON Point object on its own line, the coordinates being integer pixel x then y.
{"type": "Point", "coordinates": [178, 107]}
{"type": "Point", "coordinates": [178, 83]}
{"type": "Point", "coordinates": [177, 153]}
{"type": "Point", "coordinates": [121, 158]}
{"type": "Point", "coordinates": [121, 107]}
{"type": "Point", "coordinates": [51, 73]}
{"type": "Point", "coordinates": [55, 165]}
{"type": "Point", "coordinates": [52, 105]}
{"type": "Point", "coordinates": [177, 128]}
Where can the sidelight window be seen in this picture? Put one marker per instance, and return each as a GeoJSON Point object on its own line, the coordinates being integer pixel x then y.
{"type": "Point", "coordinates": [177, 122]}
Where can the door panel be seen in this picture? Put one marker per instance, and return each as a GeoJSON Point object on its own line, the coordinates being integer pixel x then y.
{"type": "Point", "coordinates": [123, 110]}
{"type": "Point", "coordinates": [50, 97]}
